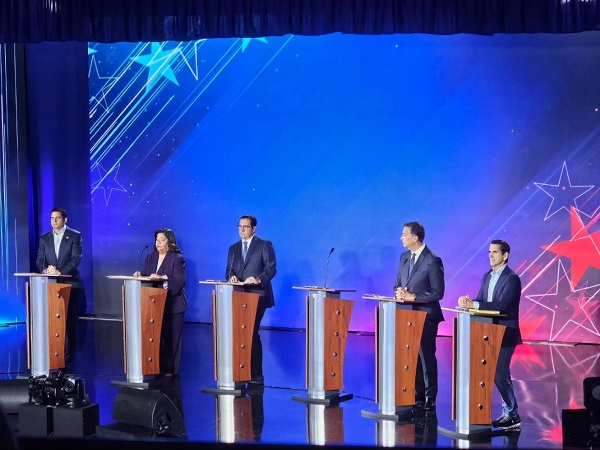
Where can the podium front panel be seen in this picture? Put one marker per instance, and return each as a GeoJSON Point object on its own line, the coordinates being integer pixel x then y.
{"type": "Point", "coordinates": [38, 326]}
{"type": "Point", "coordinates": [58, 305]}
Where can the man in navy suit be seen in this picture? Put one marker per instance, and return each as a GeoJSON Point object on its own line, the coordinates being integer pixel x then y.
{"type": "Point", "coordinates": [59, 253]}
{"type": "Point", "coordinates": [252, 261]}
{"type": "Point", "coordinates": [501, 291]}
{"type": "Point", "coordinates": [421, 277]}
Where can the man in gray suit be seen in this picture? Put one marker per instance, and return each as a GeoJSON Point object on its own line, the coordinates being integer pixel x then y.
{"type": "Point", "coordinates": [421, 277]}
{"type": "Point", "coordinates": [59, 253]}
{"type": "Point", "coordinates": [252, 261]}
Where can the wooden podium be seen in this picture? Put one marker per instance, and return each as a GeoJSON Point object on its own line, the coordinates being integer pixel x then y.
{"type": "Point", "coordinates": [143, 309]}
{"type": "Point", "coordinates": [476, 346]}
{"type": "Point", "coordinates": [328, 320]}
{"type": "Point", "coordinates": [47, 303]}
{"type": "Point", "coordinates": [397, 338]}
{"type": "Point", "coordinates": [234, 314]}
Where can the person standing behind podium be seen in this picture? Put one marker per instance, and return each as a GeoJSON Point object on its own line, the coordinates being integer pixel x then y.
{"type": "Point", "coordinates": [252, 262]}
{"type": "Point", "coordinates": [59, 253]}
{"type": "Point", "coordinates": [501, 291]}
{"type": "Point", "coordinates": [421, 277]}
{"type": "Point", "coordinates": [167, 263]}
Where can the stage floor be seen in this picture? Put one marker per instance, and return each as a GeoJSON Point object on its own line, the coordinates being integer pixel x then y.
{"type": "Point", "coordinates": [547, 379]}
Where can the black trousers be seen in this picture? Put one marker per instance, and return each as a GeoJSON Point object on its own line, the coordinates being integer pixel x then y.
{"type": "Point", "coordinates": [257, 353]}
{"type": "Point", "coordinates": [76, 307]}
{"type": "Point", "coordinates": [170, 342]}
{"type": "Point", "coordinates": [426, 382]}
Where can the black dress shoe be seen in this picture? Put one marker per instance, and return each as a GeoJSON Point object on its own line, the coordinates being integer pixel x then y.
{"type": "Point", "coordinates": [419, 407]}
{"type": "Point", "coordinates": [429, 404]}
{"type": "Point", "coordinates": [257, 381]}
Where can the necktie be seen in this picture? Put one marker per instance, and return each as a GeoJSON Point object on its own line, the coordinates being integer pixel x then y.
{"type": "Point", "coordinates": [245, 250]}
{"type": "Point", "coordinates": [411, 266]}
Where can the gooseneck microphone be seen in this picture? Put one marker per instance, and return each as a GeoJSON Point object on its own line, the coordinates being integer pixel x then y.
{"type": "Point", "coordinates": [327, 266]}
{"type": "Point", "coordinates": [230, 266]}
{"type": "Point", "coordinates": [141, 254]}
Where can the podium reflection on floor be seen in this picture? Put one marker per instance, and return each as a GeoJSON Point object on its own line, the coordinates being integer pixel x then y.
{"type": "Point", "coordinates": [325, 424]}
{"type": "Point", "coordinates": [240, 418]}
{"type": "Point", "coordinates": [414, 432]}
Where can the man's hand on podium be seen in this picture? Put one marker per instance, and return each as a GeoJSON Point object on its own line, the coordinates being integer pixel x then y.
{"type": "Point", "coordinates": [233, 279]}
{"type": "Point", "coordinates": [465, 302]}
{"type": "Point", "coordinates": [137, 274]}
{"type": "Point", "coordinates": [251, 280]}
{"type": "Point", "coordinates": [51, 270]}
{"type": "Point", "coordinates": [156, 276]}
{"type": "Point", "coordinates": [404, 295]}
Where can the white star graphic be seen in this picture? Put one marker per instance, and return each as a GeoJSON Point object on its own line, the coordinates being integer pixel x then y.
{"type": "Point", "coordinates": [99, 99]}
{"type": "Point", "coordinates": [108, 184]}
{"type": "Point", "coordinates": [563, 193]}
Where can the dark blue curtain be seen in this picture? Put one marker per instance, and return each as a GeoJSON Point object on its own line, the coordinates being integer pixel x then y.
{"type": "Point", "coordinates": [161, 20]}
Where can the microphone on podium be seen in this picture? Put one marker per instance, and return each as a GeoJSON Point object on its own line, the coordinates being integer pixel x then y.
{"type": "Point", "coordinates": [141, 254]}
{"type": "Point", "coordinates": [327, 266]}
{"type": "Point", "coordinates": [230, 266]}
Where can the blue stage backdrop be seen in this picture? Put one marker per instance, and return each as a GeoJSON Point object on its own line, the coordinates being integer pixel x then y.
{"type": "Point", "coordinates": [335, 142]}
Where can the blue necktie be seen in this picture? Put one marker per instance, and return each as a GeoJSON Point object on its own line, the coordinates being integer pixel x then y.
{"type": "Point", "coordinates": [411, 266]}
{"type": "Point", "coordinates": [245, 252]}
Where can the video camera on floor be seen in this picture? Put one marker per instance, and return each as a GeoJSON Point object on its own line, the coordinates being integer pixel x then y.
{"type": "Point", "coordinates": [57, 389]}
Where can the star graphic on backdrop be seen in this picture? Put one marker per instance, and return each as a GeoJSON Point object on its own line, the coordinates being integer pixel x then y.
{"type": "Point", "coordinates": [583, 249]}
{"type": "Point", "coordinates": [246, 42]}
{"type": "Point", "coordinates": [559, 300]}
{"type": "Point", "coordinates": [91, 51]}
{"type": "Point", "coordinates": [563, 194]}
{"type": "Point", "coordinates": [158, 64]}
{"type": "Point", "coordinates": [107, 183]}
{"type": "Point", "coordinates": [106, 83]}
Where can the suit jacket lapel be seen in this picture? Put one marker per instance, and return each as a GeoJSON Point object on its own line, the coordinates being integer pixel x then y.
{"type": "Point", "coordinates": [501, 281]}
{"type": "Point", "coordinates": [418, 263]}
{"type": "Point", "coordinates": [486, 286]}
{"type": "Point", "coordinates": [251, 249]}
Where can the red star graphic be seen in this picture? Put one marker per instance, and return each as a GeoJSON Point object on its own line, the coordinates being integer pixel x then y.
{"type": "Point", "coordinates": [582, 249]}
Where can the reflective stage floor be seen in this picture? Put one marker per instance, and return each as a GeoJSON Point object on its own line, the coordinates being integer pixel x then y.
{"type": "Point", "coordinates": [547, 378]}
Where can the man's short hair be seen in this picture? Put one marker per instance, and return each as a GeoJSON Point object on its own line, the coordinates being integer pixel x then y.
{"type": "Point", "coordinates": [504, 247]}
{"type": "Point", "coordinates": [252, 219]}
{"type": "Point", "coordinates": [62, 212]}
{"type": "Point", "coordinates": [417, 229]}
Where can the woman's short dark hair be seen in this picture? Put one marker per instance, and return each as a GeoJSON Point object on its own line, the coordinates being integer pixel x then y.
{"type": "Point", "coordinates": [170, 237]}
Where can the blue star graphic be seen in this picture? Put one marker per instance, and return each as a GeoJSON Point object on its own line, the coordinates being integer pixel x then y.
{"type": "Point", "coordinates": [108, 184]}
{"type": "Point", "coordinates": [246, 42]}
{"type": "Point", "coordinates": [158, 65]}
{"type": "Point", "coordinates": [106, 83]}
{"type": "Point", "coordinates": [563, 193]}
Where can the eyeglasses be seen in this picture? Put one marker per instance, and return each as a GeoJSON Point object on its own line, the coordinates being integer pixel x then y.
{"type": "Point", "coordinates": [244, 227]}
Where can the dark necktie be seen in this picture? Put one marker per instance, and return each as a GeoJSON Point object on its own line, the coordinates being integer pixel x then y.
{"type": "Point", "coordinates": [245, 250]}
{"type": "Point", "coordinates": [411, 266]}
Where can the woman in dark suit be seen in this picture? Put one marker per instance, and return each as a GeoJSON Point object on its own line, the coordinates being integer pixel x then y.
{"type": "Point", "coordinates": [167, 263]}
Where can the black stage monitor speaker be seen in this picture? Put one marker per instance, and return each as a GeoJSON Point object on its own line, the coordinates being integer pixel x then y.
{"type": "Point", "coordinates": [150, 409]}
{"type": "Point", "coordinates": [13, 393]}
{"type": "Point", "coordinates": [591, 393]}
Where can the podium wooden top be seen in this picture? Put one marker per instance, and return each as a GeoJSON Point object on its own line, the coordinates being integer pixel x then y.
{"type": "Point", "coordinates": [46, 275]}
{"type": "Point", "coordinates": [320, 288]}
{"type": "Point", "coordinates": [238, 283]}
{"type": "Point", "coordinates": [131, 277]}
{"type": "Point", "coordinates": [475, 312]}
{"type": "Point", "coordinates": [385, 298]}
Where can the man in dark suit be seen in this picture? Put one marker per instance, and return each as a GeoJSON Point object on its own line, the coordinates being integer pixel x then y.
{"type": "Point", "coordinates": [501, 291]}
{"type": "Point", "coordinates": [252, 261]}
{"type": "Point", "coordinates": [421, 277]}
{"type": "Point", "coordinates": [59, 253]}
